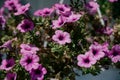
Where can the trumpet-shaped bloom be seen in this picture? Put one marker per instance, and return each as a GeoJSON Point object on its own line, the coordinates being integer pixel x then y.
{"type": "Point", "coordinates": [58, 23]}
{"type": "Point", "coordinates": [28, 48]}
{"type": "Point", "coordinates": [29, 61]}
{"type": "Point", "coordinates": [22, 9]}
{"type": "Point", "coordinates": [114, 54]}
{"type": "Point", "coordinates": [61, 37]}
{"type": "Point", "coordinates": [86, 60]}
{"type": "Point", "coordinates": [92, 6]}
{"type": "Point", "coordinates": [97, 51]}
{"type": "Point", "coordinates": [38, 73]}
{"type": "Point", "coordinates": [44, 12]}
{"type": "Point", "coordinates": [25, 26]}
{"type": "Point", "coordinates": [7, 64]}
{"type": "Point", "coordinates": [11, 76]}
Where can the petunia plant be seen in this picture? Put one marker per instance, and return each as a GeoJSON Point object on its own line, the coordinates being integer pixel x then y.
{"type": "Point", "coordinates": [53, 42]}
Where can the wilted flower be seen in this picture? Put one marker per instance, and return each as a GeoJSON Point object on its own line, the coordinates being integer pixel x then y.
{"type": "Point", "coordinates": [11, 76]}
{"type": "Point", "coordinates": [86, 60]}
{"type": "Point", "coordinates": [28, 49]}
{"type": "Point", "coordinates": [92, 6]}
{"type": "Point", "coordinates": [44, 12]}
{"type": "Point", "coordinates": [107, 30]}
{"type": "Point", "coordinates": [29, 61]}
{"type": "Point", "coordinates": [25, 26]}
{"type": "Point", "coordinates": [58, 23]}
{"type": "Point", "coordinates": [22, 9]}
{"type": "Point", "coordinates": [114, 54]}
{"type": "Point", "coordinates": [38, 73]}
{"type": "Point", "coordinates": [7, 64]}
{"type": "Point", "coordinates": [61, 37]}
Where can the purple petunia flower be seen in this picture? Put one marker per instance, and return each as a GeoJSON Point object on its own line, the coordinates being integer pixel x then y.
{"type": "Point", "coordinates": [22, 9]}
{"type": "Point", "coordinates": [7, 64]}
{"type": "Point", "coordinates": [61, 37]}
{"type": "Point", "coordinates": [2, 22]}
{"type": "Point", "coordinates": [97, 51]}
{"type": "Point", "coordinates": [107, 30]}
{"type": "Point", "coordinates": [114, 54]}
{"type": "Point", "coordinates": [12, 5]}
{"type": "Point", "coordinates": [44, 12]}
{"type": "Point", "coordinates": [8, 44]}
{"type": "Point", "coordinates": [85, 60]}
{"type": "Point", "coordinates": [11, 76]}
{"type": "Point", "coordinates": [73, 17]}
{"type": "Point", "coordinates": [1, 11]}
{"type": "Point", "coordinates": [38, 74]}
{"type": "Point", "coordinates": [28, 48]}
{"type": "Point", "coordinates": [112, 1]}
{"type": "Point", "coordinates": [92, 6]}
{"type": "Point", "coordinates": [25, 26]}
{"type": "Point", "coordinates": [62, 9]}
{"type": "Point", "coordinates": [29, 61]}
{"type": "Point", "coordinates": [58, 23]}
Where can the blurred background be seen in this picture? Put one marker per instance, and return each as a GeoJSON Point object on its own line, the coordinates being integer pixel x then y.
{"type": "Point", "coordinates": [111, 74]}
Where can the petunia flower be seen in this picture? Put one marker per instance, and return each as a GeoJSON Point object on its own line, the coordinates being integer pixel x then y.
{"type": "Point", "coordinates": [11, 76]}
{"type": "Point", "coordinates": [22, 9]}
{"type": "Point", "coordinates": [12, 5]}
{"type": "Point", "coordinates": [44, 12]}
{"type": "Point", "coordinates": [61, 37]}
{"type": "Point", "coordinates": [58, 23]}
{"type": "Point", "coordinates": [62, 9]}
{"type": "Point", "coordinates": [85, 60]}
{"type": "Point", "coordinates": [28, 48]}
{"type": "Point", "coordinates": [96, 50]}
{"type": "Point", "coordinates": [7, 64]}
{"type": "Point", "coordinates": [29, 61]}
{"type": "Point", "coordinates": [25, 26]}
{"type": "Point", "coordinates": [38, 73]}
{"type": "Point", "coordinates": [112, 1]}
{"type": "Point", "coordinates": [92, 7]}
{"type": "Point", "coordinates": [114, 54]}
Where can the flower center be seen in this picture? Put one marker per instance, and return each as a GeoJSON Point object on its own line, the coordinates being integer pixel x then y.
{"type": "Point", "coordinates": [94, 52]}
{"type": "Point", "coordinates": [46, 12]}
{"type": "Point", "coordinates": [115, 53]}
{"type": "Point", "coordinates": [37, 71]}
{"type": "Point", "coordinates": [8, 65]}
{"type": "Point", "coordinates": [87, 60]}
{"type": "Point", "coordinates": [60, 37]}
{"type": "Point", "coordinates": [26, 26]}
{"type": "Point", "coordinates": [29, 60]}
{"type": "Point", "coordinates": [61, 9]}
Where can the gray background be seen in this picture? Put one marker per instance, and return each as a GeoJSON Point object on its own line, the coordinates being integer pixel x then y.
{"type": "Point", "coordinates": [111, 74]}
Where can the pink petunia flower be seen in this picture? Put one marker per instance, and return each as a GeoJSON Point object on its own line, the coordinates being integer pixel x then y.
{"type": "Point", "coordinates": [112, 1]}
{"type": "Point", "coordinates": [62, 9]}
{"type": "Point", "coordinates": [58, 23]}
{"type": "Point", "coordinates": [28, 49]}
{"type": "Point", "coordinates": [96, 50]}
{"type": "Point", "coordinates": [25, 26]}
{"type": "Point", "coordinates": [92, 6]}
{"type": "Point", "coordinates": [7, 64]}
{"type": "Point", "coordinates": [86, 60]}
{"type": "Point", "coordinates": [44, 12]}
{"type": "Point", "coordinates": [12, 5]}
{"type": "Point", "coordinates": [11, 76]}
{"type": "Point", "coordinates": [38, 73]}
{"type": "Point", "coordinates": [61, 37]}
{"type": "Point", "coordinates": [73, 18]}
{"type": "Point", "coordinates": [22, 9]}
{"type": "Point", "coordinates": [29, 61]}
{"type": "Point", "coordinates": [114, 54]}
